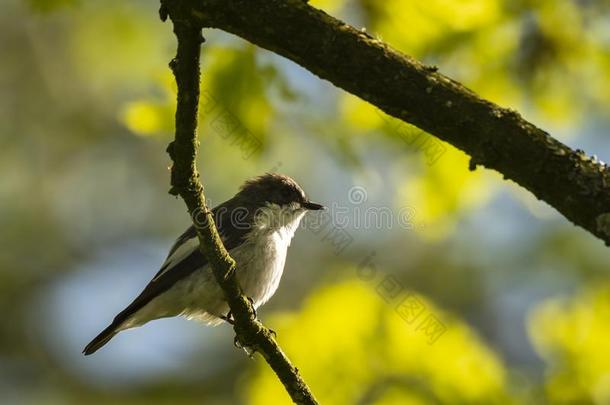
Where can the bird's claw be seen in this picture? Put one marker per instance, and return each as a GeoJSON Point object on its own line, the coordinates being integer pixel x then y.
{"type": "Point", "coordinates": [273, 333]}
{"type": "Point", "coordinates": [253, 308]}
{"type": "Point", "coordinates": [239, 345]}
{"type": "Point", "coordinates": [228, 318]}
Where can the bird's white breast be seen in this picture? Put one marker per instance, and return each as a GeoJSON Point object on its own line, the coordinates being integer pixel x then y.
{"type": "Point", "coordinates": [260, 263]}
{"type": "Point", "coordinates": [261, 260]}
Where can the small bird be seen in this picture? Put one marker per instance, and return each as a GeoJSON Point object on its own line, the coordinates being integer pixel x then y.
{"type": "Point", "coordinates": [256, 227]}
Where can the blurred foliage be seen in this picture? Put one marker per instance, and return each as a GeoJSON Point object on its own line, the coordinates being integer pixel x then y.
{"type": "Point", "coordinates": [447, 188]}
{"type": "Point", "coordinates": [512, 52]}
{"type": "Point", "coordinates": [351, 347]}
{"type": "Point", "coordinates": [440, 188]}
{"type": "Point", "coordinates": [571, 334]}
{"type": "Point", "coordinates": [46, 6]}
{"type": "Point", "coordinates": [235, 95]}
{"type": "Point", "coordinates": [86, 111]}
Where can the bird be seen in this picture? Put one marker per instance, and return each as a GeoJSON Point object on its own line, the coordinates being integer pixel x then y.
{"type": "Point", "coordinates": [256, 227]}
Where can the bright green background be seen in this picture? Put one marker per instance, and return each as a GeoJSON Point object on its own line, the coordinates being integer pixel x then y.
{"type": "Point", "coordinates": [86, 111]}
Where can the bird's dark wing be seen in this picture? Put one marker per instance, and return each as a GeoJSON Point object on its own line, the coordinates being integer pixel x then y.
{"type": "Point", "coordinates": [185, 257]}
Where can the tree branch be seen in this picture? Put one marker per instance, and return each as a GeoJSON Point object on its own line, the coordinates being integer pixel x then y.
{"type": "Point", "coordinates": [497, 138]}
{"type": "Point", "coordinates": [185, 182]}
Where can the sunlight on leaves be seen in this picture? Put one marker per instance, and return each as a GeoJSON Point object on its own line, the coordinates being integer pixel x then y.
{"type": "Point", "coordinates": [143, 118]}
{"type": "Point", "coordinates": [236, 80]}
{"type": "Point", "coordinates": [352, 346]}
{"type": "Point", "coordinates": [417, 26]}
{"type": "Point", "coordinates": [443, 190]}
{"type": "Point", "coordinates": [510, 52]}
{"type": "Point", "coordinates": [46, 6]}
{"type": "Point", "coordinates": [359, 114]}
{"type": "Point", "coordinates": [571, 335]}
{"type": "Point", "coordinates": [111, 45]}
{"type": "Point", "coordinates": [330, 6]}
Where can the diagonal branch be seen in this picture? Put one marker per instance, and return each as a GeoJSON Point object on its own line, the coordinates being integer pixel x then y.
{"type": "Point", "coordinates": [185, 182]}
{"type": "Point", "coordinates": [497, 138]}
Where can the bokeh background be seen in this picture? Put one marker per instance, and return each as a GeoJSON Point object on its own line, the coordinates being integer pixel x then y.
{"type": "Point", "coordinates": [427, 283]}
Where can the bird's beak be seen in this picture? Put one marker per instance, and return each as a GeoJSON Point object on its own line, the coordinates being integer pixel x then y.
{"type": "Point", "coordinates": [313, 206]}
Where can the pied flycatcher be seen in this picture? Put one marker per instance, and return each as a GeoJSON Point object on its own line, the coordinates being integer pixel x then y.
{"type": "Point", "coordinates": [256, 227]}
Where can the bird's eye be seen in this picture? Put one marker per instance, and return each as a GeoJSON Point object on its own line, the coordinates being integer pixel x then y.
{"type": "Point", "coordinates": [286, 194]}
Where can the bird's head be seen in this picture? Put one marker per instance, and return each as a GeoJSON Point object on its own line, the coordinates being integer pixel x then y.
{"type": "Point", "coordinates": [279, 200]}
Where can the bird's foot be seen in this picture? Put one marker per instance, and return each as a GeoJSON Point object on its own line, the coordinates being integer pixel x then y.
{"type": "Point", "coordinates": [237, 343]}
{"type": "Point", "coordinates": [273, 333]}
{"type": "Point", "coordinates": [253, 308]}
{"type": "Point", "coordinates": [228, 318]}
{"type": "Point", "coordinates": [250, 352]}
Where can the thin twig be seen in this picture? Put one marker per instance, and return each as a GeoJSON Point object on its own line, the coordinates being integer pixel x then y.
{"type": "Point", "coordinates": [185, 182]}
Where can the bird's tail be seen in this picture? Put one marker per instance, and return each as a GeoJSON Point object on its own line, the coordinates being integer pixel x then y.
{"type": "Point", "coordinates": [101, 339]}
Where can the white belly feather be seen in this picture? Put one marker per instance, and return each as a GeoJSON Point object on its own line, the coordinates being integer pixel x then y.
{"type": "Point", "coordinates": [260, 263]}
{"type": "Point", "coordinates": [259, 274]}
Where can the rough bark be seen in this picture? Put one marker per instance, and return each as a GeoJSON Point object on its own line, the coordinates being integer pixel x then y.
{"type": "Point", "coordinates": [250, 333]}
{"type": "Point", "coordinates": [494, 137]}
